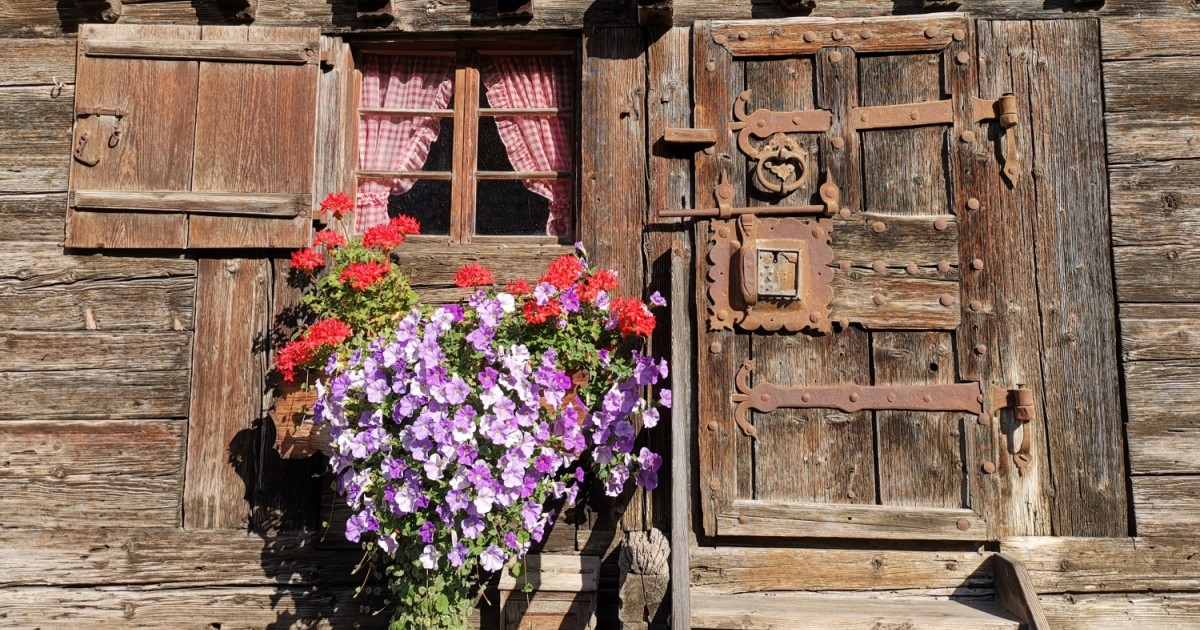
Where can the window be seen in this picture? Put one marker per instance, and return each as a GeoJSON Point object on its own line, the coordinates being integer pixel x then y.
{"type": "Point", "coordinates": [473, 140]}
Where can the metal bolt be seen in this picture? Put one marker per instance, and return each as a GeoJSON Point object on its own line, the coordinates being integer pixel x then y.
{"type": "Point", "coordinates": [976, 305]}
{"type": "Point", "coordinates": [710, 66]}
{"type": "Point", "coordinates": [891, 397]}
{"type": "Point", "coordinates": [844, 213]}
{"type": "Point", "coordinates": [879, 226]}
{"type": "Point", "coordinates": [914, 114]}
{"type": "Point", "coordinates": [742, 520]}
{"type": "Point", "coordinates": [810, 36]}
{"type": "Point", "coordinates": [838, 143]}
{"type": "Point", "coordinates": [962, 524]}
{"type": "Point", "coordinates": [843, 324]}
{"type": "Point", "coordinates": [967, 136]}
{"type": "Point", "coordinates": [723, 314]}
{"type": "Point", "coordinates": [959, 34]}
{"type": "Point", "coordinates": [743, 35]}
{"type": "Point", "coordinates": [723, 232]}
{"type": "Point", "coordinates": [973, 203]}
{"type": "Point", "coordinates": [962, 57]}
{"type": "Point", "coordinates": [835, 57]}
{"type": "Point", "coordinates": [946, 299]}
{"type": "Point", "coordinates": [988, 467]}
{"type": "Point", "coordinates": [714, 347]}
{"type": "Point", "coordinates": [864, 118]}
{"type": "Point", "coordinates": [713, 426]}
{"type": "Point", "coordinates": [943, 266]}
{"type": "Point", "coordinates": [852, 495]}
{"type": "Point", "coordinates": [844, 266]}
{"type": "Point", "coordinates": [940, 225]}
{"type": "Point", "coordinates": [911, 269]}
{"type": "Point", "coordinates": [981, 349]}
{"type": "Point", "coordinates": [878, 266]}
{"type": "Point", "coordinates": [806, 397]}
{"type": "Point", "coordinates": [878, 299]}
{"type": "Point", "coordinates": [866, 33]}
{"type": "Point", "coordinates": [714, 485]}
{"type": "Point", "coordinates": [838, 35]}
{"type": "Point", "coordinates": [984, 420]}
{"type": "Point", "coordinates": [926, 398]}
{"type": "Point", "coordinates": [709, 150]}
{"type": "Point", "coordinates": [853, 396]}
{"type": "Point", "coordinates": [719, 38]}
{"type": "Point", "coordinates": [814, 317]}
{"type": "Point", "coordinates": [931, 32]}
{"type": "Point", "coordinates": [977, 264]}
{"type": "Point", "coordinates": [762, 124]}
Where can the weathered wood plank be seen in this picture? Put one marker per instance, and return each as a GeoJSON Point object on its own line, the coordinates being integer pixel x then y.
{"type": "Point", "coordinates": [32, 218]}
{"type": "Point", "coordinates": [93, 394]}
{"type": "Point", "coordinates": [669, 105]}
{"type": "Point", "coordinates": [1139, 136]}
{"type": "Point", "coordinates": [1157, 273]}
{"type": "Point", "coordinates": [1014, 591]}
{"type": "Point", "coordinates": [37, 61]}
{"type": "Point", "coordinates": [249, 204]}
{"type": "Point", "coordinates": [35, 138]}
{"type": "Point", "coordinates": [752, 569]}
{"type": "Point", "coordinates": [1082, 399]}
{"type": "Point", "coordinates": [300, 52]}
{"type": "Point", "coordinates": [1145, 38]}
{"type": "Point", "coordinates": [901, 241]}
{"type": "Point", "coordinates": [116, 473]}
{"type": "Point", "coordinates": [1108, 565]}
{"type": "Point", "coordinates": [614, 182]}
{"type": "Point", "coordinates": [1152, 332]}
{"type": "Point", "coordinates": [161, 556]}
{"type": "Point", "coordinates": [1156, 203]}
{"type": "Point", "coordinates": [1148, 85]}
{"type": "Point", "coordinates": [424, 260]}
{"type": "Point", "coordinates": [226, 392]}
{"type": "Point", "coordinates": [1164, 421]}
{"type": "Point", "coordinates": [93, 350]}
{"type": "Point", "coordinates": [920, 454]}
{"type": "Point", "coordinates": [1120, 611]}
{"type": "Point", "coordinates": [1166, 506]}
{"type": "Point", "coordinates": [719, 610]}
{"type": "Point", "coordinates": [683, 352]}
{"type": "Point", "coordinates": [895, 300]}
{"type": "Point", "coordinates": [773, 518]}
{"type": "Point", "coordinates": [805, 37]}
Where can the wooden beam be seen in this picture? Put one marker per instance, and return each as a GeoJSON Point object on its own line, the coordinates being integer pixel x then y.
{"type": "Point", "coordinates": [192, 50]}
{"type": "Point", "coordinates": [1108, 565]}
{"type": "Point", "coordinates": [759, 38]}
{"type": "Point", "coordinates": [220, 203]}
{"type": "Point", "coordinates": [1014, 591]}
{"type": "Point", "coordinates": [772, 518]}
{"type": "Point", "coordinates": [682, 420]}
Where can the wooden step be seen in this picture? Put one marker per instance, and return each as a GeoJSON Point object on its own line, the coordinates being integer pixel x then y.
{"type": "Point", "coordinates": [794, 611]}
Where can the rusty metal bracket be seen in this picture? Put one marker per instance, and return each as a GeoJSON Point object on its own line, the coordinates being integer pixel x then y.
{"type": "Point", "coordinates": [1004, 111]}
{"type": "Point", "coordinates": [902, 115]}
{"type": "Point", "coordinates": [1020, 400]}
{"type": "Point", "coordinates": [114, 135]}
{"type": "Point", "coordinates": [781, 156]}
{"type": "Point", "coordinates": [724, 192]}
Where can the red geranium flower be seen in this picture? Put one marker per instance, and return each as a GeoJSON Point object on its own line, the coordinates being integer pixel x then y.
{"type": "Point", "coordinates": [520, 287]}
{"type": "Point", "coordinates": [535, 314]}
{"type": "Point", "coordinates": [294, 354]}
{"type": "Point", "coordinates": [563, 272]}
{"type": "Point", "coordinates": [362, 275]}
{"type": "Point", "coordinates": [329, 238]}
{"type": "Point", "coordinates": [330, 331]}
{"type": "Point", "coordinates": [408, 225]}
{"type": "Point", "coordinates": [633, 317]}
{"type": "Point", "coordinates": [392, 233]}
{"type": "Point", "coordinates": [307, 260]}
{"type": "Point", "coordinates": [336, 204]}
{"type": "Point", "coordinates": [473, 275]}
{"type": "Point", "coordinates": [602, 280]}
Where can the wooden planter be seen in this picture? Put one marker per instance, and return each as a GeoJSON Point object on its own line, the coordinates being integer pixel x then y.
{"type": "Point", "coordinates": [563, 596]}
{"type": "Point", "coordinates": [296, 435]}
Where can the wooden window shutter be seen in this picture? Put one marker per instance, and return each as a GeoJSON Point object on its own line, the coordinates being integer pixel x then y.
{"type": "Point", "coordinates": [198, 137]}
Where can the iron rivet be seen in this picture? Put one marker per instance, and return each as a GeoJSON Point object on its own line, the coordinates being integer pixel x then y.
{"type": "Point", "coordinates": [914, 114]}
{"type": "Point", "coordinates": [940, 225]}
{"type": "Point", "coordinates": [866, 33]}
{"type": "Point", "coordinates": [723, 314]}
{"type": "Point", "coordinates": [976, 305]}
{"type": "Point", "coordinates": [838, 143]}
{"type": "Point", "coordinates": [977, 264]}
{"type": "Point", "coordinates": [719, 38]}
{"type": "Point", "coordinates": [853, 396]}
{"type": "Point", "coordinates": [852, 495]}
{"type": "Point", "coordinates": [968, 136]}
{"type": "Point", "coordinates": [879, 300]}
{"type": "Point", "coordinates": [959, 35]}
{"type": "Point", "coordinates": [844, 213]}
{"type": "Point", "coordinates": [963, 524]}
{"type": "Point", "coordinates": [981, 349]}
{"type": "Point", "coordinates": [844, 266]}
{"type": "Point", "coordinates": [962, 57]}
{"type": "Point", "coordinates": [814, 317]}
{"type": "Point", "coordinates": [743, 35]}
{"type": "Point", "coordinates": [818, 233]}
{"type": "Point", "coordinates": [979, 399]}
{"type": "Point", "coordinates": [844, 324]}
{"type": "Point", "coordinates": [878, 266]}
{"type": "Point", "coordinates": [806, 397]}
{"type": "Point", "coordinates": [723, 232]}
{"type": "Point", "coordinates": [911, 269]}
{"type": "Point", "coordinates": [931, 32]}
{"type": "Point", "coordinates": [713, 426]}
{"type": "Point", "coordinates": [762, 124]}
{"type": "Point", "coordinates": [710, 66]}
{"type": "Point", "coordinates": [838, 35]}
{"type": "Point", "coordinates": [863, 117]}
{"type": "Point", "coordinates": [714, 485]}
{"type": "Point", "coordinates": [946, 299]}
{"type": "Point", "coordinates": [988, 467]}
{"type": "Point", "coordinates": [943, 266]}
{"type": "Point", "coordinates": [742, 520]}
{"type": "Point", "coordinates": [984, 420]}
{"type": "Point", "coordinates": [714, 347]}
{"type": "Point", "coordinates": [835, 57]}
{"type": "Point", "coordinates": [973, 203]}
{"type": "Point", "coordinates": [879, 226]}
{"type": "Point", "coordinates": [926, 398]}
{"type": "Point", "coordinates": [891, 397]}
{"type": "Point", "coordinates": [709, 150]}
{"type": "Point", "coordinates": [810, 36]}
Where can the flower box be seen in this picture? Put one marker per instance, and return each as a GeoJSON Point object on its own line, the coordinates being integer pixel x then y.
{"type": "Point", "coordinates": [563, 595]}
{"type": "Point", "coordinates": [296, 435]}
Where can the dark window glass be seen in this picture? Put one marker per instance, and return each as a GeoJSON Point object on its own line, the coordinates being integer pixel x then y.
{"type": "Point", "coordinates": [507, 207]}
{"type": "Point", "coordinates": [492, 154]}
{"type": "Point", "coordinates": [428, 201]}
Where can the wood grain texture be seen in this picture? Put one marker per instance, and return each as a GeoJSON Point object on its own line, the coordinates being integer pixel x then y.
{"type": "Point", "coordinates": [1014, 591]}
{"type": "Point", "coordinates": [221, 203]}
{"type": "Point", "coordinates": [1155, 203]}
{"type": "Point", "coordinates": [754, 569]}
{"type": "Point", "coordinates": [781, 85]}
{"type": "Point", "coordinates": [614, 174]}
{"type": "Point", "coordinates": [683, 353]}
{"type": "Point", "coordinates": [119, 473]}
{"type": "Point", "coordinates": [792, 37]}
{"type": "Point", "coordinates": [669, 105]}
{"type": "Point", "coordinates": [94, 350]}
{"type": "Point", "coordinates": [109, 394]}
{"type": "Point", "coordinates": [1119, 611]}
{"type": "Point", "coordinates": [337, 130]}
{"type": "Point", "coordinates": [37, 61]}
{"type": "Point", "coordinates": [1164, 424]}
{"type": "Point", "coordinates": [718, 610]}
{"type": "Point", "coordinates": [34, 218]}
{"type": "Point", "coordinates": [1138, 136]}
{"type": "Point", "coordinates": [1145, 85]}
{"type": "Point", "coordinates": [921, 462]}
{"type": "Point", "coordinates": [908, 302]}
{"type": "Point", "coordinates": [892, 522]}
{"type": "Point", "coordinates": [227, 392]}
{"type": "Point", "coordinates": [1108, 565]}
{"type": "Point", "coordinates": [1154, 332]}
{"type": "Point", "coordinates": [1164, 506]}
{"type": "Point", "coordinates": [1137, 38]}
{"type": "Point", "coordinates": [1075, 284]}
{"type": "Point", "coordinates": [35, 138]}
{"type": "Point", "coordinates": [1157, 273]}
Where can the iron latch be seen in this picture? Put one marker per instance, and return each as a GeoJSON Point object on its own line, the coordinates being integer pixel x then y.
{"type": "Point", "coordinates": [1004, 111]}
{"type": "Point", "coordinates": [80, 152]}
{"type": "Point", "coordinates": [1020, 400]}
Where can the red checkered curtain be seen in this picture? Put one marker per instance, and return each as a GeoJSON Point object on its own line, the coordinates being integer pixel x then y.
{"type": "Point", "coordinates": [388, 142]}
{"type": "Point", "coordinates": [536, 143]}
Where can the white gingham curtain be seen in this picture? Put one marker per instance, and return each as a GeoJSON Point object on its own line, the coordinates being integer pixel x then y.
{"type": "Point", "coordinates": [536, 143]}
{"type": "Point", "coordinates": [397, 143]}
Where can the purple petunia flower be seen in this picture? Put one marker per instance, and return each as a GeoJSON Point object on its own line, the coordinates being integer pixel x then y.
{"type": "Point", "coordinates": [493, 558]}
{"type": "Point", "coordinates": [657, 299]}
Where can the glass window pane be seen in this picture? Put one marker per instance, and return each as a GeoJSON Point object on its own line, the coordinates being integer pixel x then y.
{"type": "Point", "coordinates": [492, 154]}
{"type": "Point", "coordinates": [406, 143]}
{"type": "Point", "coordinates": [428, 201]}
{"type": "Point", "coordinates": [510, 207]}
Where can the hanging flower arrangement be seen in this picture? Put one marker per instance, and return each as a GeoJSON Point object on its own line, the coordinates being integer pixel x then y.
{"type": "Point", "coordinates": [453, 426]}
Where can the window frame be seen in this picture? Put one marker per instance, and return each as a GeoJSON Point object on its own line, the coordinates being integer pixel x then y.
{"type": "Point", "coordinates": [464, 175]}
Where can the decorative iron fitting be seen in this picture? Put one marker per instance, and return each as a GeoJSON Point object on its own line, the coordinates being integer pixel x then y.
{"type": "Point", "coordinates": [1020, 400]}
{"type": "Point", "coordinates": [1004, 111]}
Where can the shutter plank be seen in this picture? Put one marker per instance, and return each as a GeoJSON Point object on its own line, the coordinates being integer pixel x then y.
{"type": "Point", "coordinates": [255, 132]}
{"type": "Point", "coordinates": [299, 52]}
{"type": "Point", "coordinates": [249, 204]}
{"type": "Point", "coordinates": [155, 150]}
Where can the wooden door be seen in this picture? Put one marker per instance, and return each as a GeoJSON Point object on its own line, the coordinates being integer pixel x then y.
{"type": "Point", "coordinates": [894, 420]}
